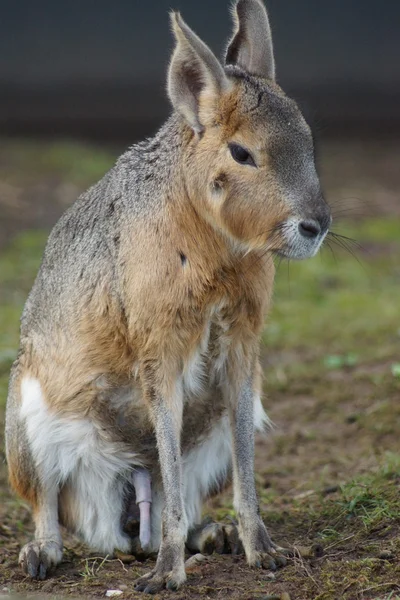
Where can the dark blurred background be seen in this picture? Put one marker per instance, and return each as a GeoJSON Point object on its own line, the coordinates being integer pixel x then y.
{"type": "Point", "coordinates": [97, 69]}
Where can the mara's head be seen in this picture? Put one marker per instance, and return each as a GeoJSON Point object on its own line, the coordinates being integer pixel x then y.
{"type": "Point", "coordinates": [250, 169]}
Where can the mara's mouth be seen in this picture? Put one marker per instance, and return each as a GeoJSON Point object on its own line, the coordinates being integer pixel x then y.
{"type": "Point", "coordinates": [300, 239]}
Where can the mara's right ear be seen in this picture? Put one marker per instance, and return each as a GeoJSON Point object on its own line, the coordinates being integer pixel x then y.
{"type": "Point", "coordinates": [251, 45]}
{"type": "Point", "coordinates": [193, 70]}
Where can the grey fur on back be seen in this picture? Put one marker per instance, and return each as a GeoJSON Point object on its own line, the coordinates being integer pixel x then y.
{"type": "Point", "coordinates": [82, 249]}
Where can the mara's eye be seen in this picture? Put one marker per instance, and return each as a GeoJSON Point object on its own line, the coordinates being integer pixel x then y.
{"type": "Point", "coordinates": [241, 155]}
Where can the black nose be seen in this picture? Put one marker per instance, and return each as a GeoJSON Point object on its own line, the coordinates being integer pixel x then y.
{"type": "Point", "coordinates": [309, 229]}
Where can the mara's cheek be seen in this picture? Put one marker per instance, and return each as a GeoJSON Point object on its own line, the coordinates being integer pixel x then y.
{"type": "Point", "coordinates": [240, 218]}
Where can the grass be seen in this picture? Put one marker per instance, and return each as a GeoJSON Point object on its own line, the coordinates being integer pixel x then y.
{"type": "Point", "coordinates": [74, 162]}
{"type": "Point", "coordinates": [330, 473]}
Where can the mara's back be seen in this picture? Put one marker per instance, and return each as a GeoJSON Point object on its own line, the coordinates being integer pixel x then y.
{"type": "Point", "coordinates": [82, 252]}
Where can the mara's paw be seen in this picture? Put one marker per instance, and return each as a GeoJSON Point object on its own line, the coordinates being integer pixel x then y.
{"type": "Point", "coordinates": [169, 572]}
{"type": "Point", "coordinates": [38, 557]}
{"type": "Point", "coordinates": [157, 580]}
{"type": "Point", "coordinates": [260, 550]}
{"type": "Point", "coordinates": [267, 560]}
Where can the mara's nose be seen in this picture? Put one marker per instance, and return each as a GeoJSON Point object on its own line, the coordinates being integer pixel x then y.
{"type": "Point", "coordinates": [309, 229]}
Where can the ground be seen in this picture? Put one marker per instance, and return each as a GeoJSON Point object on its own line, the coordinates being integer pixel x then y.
{"type": "Point", "coordinates": [328, 475]}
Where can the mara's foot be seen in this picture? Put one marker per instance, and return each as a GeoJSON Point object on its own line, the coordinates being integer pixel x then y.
{"type": "Point", "coordinates": [40, 556]}
{"type": "Point", "coordinates": [260, 550]}
{"type": "Point", "coordinates": [209, 537]}
{"type": "Point", "coordinates": [169, 572]}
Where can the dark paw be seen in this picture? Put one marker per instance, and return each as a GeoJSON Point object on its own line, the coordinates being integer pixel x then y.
{"type": "Point", "coordinates": [169, 571]}
{"type": "Point", "coordinates": [260, 551]}
{"type": "Point", "coordinates": [38, 557]}
{"type": "Point", "coordinates": [155, 581]}
{"type": "Point", "coordinates": [270, 562]}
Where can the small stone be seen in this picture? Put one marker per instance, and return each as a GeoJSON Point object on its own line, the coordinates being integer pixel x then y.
{"type": "Point", "coordinates": [352, 418]}
{"type": "Point", "coordinates": [318, 550]}
{"type": "Point", "coordinates": [270, 576]}
{"type": "Point", "coordinates": [330, 489]}
{"type": "Point", "coordinates": [114, 593]}
{"type": "Point", "coordinates": [386, 555]}
{"type": "Point", "coordinates": [127, 559]}
{"type": "Point", "coordinates": [285, 596]}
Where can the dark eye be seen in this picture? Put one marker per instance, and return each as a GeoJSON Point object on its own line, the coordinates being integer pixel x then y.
{"type": "Point", "coordinates": [241, 155]}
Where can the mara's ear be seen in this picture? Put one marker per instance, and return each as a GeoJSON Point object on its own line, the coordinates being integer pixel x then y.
{"type": "Point", "coordinates": [251, 45]}
{"type": "Point", "coordinates": [193, 69]}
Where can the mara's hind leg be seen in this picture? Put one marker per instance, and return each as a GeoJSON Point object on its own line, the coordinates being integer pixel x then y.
{"type": "Point", "coordinates": [45, 551]}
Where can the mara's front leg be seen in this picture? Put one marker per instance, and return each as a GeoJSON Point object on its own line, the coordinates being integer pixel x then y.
{"type": "Point", "coordinates": [252, 531]}
{"type": "Point", "coordinates": [166, 412]}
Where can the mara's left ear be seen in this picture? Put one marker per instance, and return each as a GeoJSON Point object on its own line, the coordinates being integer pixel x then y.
{"type": "Point", "coordinates": [194, 69]}
{"type": "Point", "coordinates": [251, 45]}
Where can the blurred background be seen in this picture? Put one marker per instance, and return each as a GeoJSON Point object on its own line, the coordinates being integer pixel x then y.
{"type": "Point", "coordinates": [79, 82]}
{"type": "Point", "coordinates": [78, 69]}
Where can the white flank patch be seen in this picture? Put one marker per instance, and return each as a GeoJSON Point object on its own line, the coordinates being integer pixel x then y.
{"type": "Point", "coordinates": [71, 452]}
{"type": "Point", "coordinates": [261, 419]}
{"type": "Point", "coordinates": [204, 467]}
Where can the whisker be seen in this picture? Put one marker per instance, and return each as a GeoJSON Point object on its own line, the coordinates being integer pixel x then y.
{"type": "Point", "coordinates": [328, 245]}
{"type": "Point", "coordinates": [352, 211]}
{"type": "Point", "coordinates": [273, 230]}
{"type": "Point", "coordinates": [343, 244]}
{"type": "Point", "coordinates": [347, 239]}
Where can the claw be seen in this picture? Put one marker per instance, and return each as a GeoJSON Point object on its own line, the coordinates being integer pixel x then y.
{"type": "Point", "coordinates": [153, 588]}
{"type": "Point", "coordinates": [42, 571]}
{"type": "Point", "coordinates": [172, 585]}
{"type": "Point", "coordinates": [156, 580]}
{"type": "Point", "coordinates": [269, 564]}
{"type": "Point", "coordinates": [31, 563]}
{"type": "Point", "coordinates": [280, 561]}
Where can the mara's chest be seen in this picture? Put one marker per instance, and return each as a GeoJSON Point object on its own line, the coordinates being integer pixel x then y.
{"type": "Point", "coordinates": [226, 342]}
